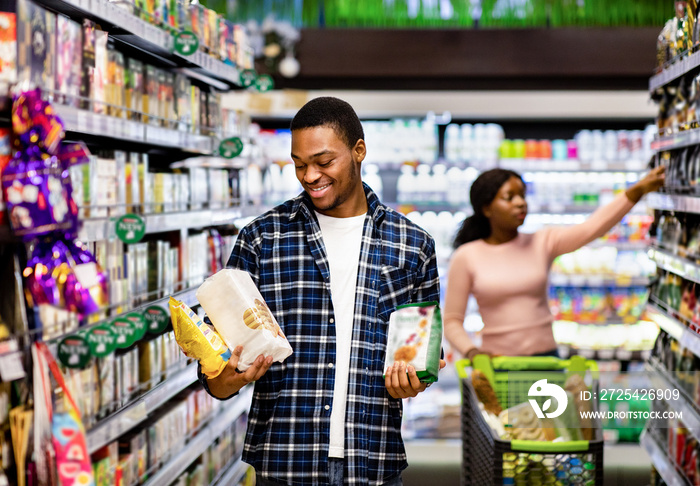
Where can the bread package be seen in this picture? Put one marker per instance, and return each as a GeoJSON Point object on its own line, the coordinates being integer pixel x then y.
{"type": "Point", "coordinates": [415, 337]}
{"type": "Point", "coordinates": [241, 317]}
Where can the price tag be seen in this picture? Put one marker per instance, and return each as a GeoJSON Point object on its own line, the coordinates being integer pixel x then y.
{"type": "Point", "coordinates": [586, 353]}
{"type": "Point", "coordinates": [82, 120]}
{"type": "Point", "coordinates": [624, 354]}
{"type": "Point", "coordinates": [11, 367]}
{"type": "Point", "coordinates": [137, 413]}
{"type": "Point", "coordinates": [599, 165]}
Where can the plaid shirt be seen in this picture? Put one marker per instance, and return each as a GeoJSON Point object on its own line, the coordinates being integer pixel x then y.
{"type": "Point", "coordinates": [289, 423]}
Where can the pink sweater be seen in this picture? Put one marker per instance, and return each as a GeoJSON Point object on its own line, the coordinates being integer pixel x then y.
{"type": "Point", "coordinates": [509, 282]}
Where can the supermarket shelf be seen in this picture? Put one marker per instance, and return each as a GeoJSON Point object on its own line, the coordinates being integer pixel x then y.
{"type": "Point", "coordinates": [661, 380]}
{"type": "Point", "coordinates": [675, 264]}
{"type": "Point", "coordinates": [233, 474]}
{"type": "Point", "coordinates": [673, 202]}
{"type": "Point", "coordinates": [678, 140]}
{"type": "Point", "coordinates": [675, 70]}
{"type": "Point", "coordinates": [638, 245]}
{"type": "Point", "coordinates": [559, 280]}
{"type": "Point", "coordinates": [604, 354]}
{"type": "Point", "coordinates": [104, 228]}
{"type": "Point", "coordinates": [572, 165]}
{"type": "Point", "coordinates": [89, 123]}
{"type": "Point", "coordinates": [124, 420]}
{"type": "Point", "coordinates": [687, 338]}
{"type": "Point", "coordinates": [170, 471]}
{"type": "Point", "coordinates": [152, 40]}
{"type": "Point", "coordinates": [661, 461]}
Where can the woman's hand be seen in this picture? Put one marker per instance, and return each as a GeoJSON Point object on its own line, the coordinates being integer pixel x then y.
{"type": "Point", "coordinates": [402, 381]}
{"type": "Point", "coordinates": [649, 183]}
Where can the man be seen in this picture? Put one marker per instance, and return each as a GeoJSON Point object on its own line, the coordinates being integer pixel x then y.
{"type": "Point", "coordinates": [332, 264]}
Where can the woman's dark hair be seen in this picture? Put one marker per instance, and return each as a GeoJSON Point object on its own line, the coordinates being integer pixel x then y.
{"type": "Point", "coordinates": [483, 192]}
{"type": "Point", "coordinates": [331, 112]}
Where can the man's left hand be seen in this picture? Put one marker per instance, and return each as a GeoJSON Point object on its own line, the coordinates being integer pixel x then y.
{"type": "Point", "coordinates": [402, 382]}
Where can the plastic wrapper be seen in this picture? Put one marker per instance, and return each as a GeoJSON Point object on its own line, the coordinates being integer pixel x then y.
{"type": "Point", "coordinates": [485, 392]}
{"type": "Point", "coordinates": [197, 340]}
{"type": "Point", "coordinates": [241, 317]}
{"type": "Point", "coordinates": [415, 338]}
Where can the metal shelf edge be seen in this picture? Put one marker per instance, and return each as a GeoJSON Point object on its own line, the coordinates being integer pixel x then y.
{"type": "Point", "coordinates": [672, 326]}
{"type": "Point", "coordinates": [234, 474]}
{"type": "Point", "coordinates": [121, 422]}
{"type": "Point", "coordinates": [675, 70]}
{"type": "Point", "coordinates": [691, 419]}
{"type": "Point", "coordinates": [660, 460]}
{"type": "Point", "coordinates": [675, 264]}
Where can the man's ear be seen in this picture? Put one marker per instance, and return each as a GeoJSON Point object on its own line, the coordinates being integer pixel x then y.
{"type": "Point", "coordinates": [359, 151]}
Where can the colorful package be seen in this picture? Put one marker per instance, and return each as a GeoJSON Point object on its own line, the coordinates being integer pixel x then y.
{"type": "Point", "coordinates": [415, 338]}
{"type": "Point", "coordinates": [197, 340]}
{"type": "Point", "coordinates": [69, 60]}
{"type": "Point", "coordinates": [8, 47]}
{"type": "Point", "coordinates": [241, 316]}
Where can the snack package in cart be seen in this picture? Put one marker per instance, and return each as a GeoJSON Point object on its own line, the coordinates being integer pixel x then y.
{"type": "Point", "coordinates": [241, 317]}
{"type": "Point", "coordinates": [415, 337]}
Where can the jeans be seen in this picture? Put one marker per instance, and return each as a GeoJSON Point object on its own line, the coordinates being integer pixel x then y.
{"type": "Point", "coordinates": [335, 476]}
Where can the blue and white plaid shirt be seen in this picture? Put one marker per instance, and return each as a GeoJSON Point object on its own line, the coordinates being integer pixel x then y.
{"type": "Point", "coordinates": [289, 424]}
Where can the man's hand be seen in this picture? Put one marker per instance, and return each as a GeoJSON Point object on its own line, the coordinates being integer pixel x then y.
{"type": "Point", "coordinates": [402, 382]}
{"type": "Point", "coordinates": [230, 380]}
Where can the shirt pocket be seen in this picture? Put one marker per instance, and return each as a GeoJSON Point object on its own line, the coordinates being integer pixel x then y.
{"type": "Point", "coordinates": [395, 289]}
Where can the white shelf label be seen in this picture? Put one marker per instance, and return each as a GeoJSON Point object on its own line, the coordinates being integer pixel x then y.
{"type": "Point", "coordinates": [11, 367]}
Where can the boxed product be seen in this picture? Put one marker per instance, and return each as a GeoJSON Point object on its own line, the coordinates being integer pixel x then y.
{"type": "Point", "coordinates": [99, 74]}
{"type": "Point", "coordinates": [150, 95]}
{"type": "Point", "coordinates": [5, 154]}
{"type": "Point", "coordinates": [115, 94]}
{"type": "Point", "coordinates": [8, 47]}
{"type": "Point", "coordinates": [36, 44]}
{"type": "Point", "coordinates": [415, 338]}
{"type": "Point", "coordinates": [134, 89]}
{"type": "Point", "coordinates": [88, 63]}
{"type": "Point", "coordinates": [69, 48]}
{"type": "Point", "coordinates": [241, 316]}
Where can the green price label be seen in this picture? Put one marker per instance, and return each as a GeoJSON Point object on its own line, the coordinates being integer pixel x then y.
{"type": "Point", "coordinates": [230, 148]}
{"type": "Point", "coordinates": [157, 319]}
{"type": "Point", "coordinates": [139, 323]}
{"type": "Point", "coordinates": [74, 352]}
{"type": "Point", "coordinates": [248, 77]}
{"type": "Point", "coordinates": [264, 83]}
{"type": "Point", "coordinates": [130, 228]}
{"type": "Point", "coordinates": [125, 331]}
{"type": "Point", "coordinates": [185, 43]}
{"type": "Point", "coordinates": [101, 341]}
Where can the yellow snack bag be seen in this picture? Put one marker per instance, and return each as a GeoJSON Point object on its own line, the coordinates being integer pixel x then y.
{"type": "Point", "coordinates": [197, 340]}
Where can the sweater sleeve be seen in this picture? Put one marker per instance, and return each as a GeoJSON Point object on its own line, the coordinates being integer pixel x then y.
{"type": "Point", "coordinates": [566, 239]}
{"type": "Point", "coordinates": [456, 297]}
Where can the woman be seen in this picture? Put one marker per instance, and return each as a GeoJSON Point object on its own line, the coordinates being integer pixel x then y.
{"type": "Point", "coordinates": [507, 272]}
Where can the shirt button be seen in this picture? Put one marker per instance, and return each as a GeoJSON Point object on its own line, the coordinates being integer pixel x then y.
{"type": "Point", "coordinates": [327, 407]}
{"type": "Point", "coordinates": [330, 365]}
{"type": "Point", "coordinates": [332, 320]}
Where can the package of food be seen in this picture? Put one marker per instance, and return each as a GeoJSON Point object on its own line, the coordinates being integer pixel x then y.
{"type": "Point", "coordinates": [415, 338]}
{"type": "Point", "coordinates": [197, 340]}
{"type": "Point", "coordinates": [485, 392]}
{"type": "Point", "coordinates": [241, 316]}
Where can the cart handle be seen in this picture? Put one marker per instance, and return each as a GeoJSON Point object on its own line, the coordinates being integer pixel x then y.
{"type": "Point", "coordinates": [526, 364]}
{"type": "Point", "coordinates": [549, 447]}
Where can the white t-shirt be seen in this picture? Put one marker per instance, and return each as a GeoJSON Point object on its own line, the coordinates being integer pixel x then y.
{"type": "Point", "coordinates": [342, 238]}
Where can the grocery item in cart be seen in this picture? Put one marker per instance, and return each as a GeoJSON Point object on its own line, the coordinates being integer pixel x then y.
{"type": "Point", "coordinates": [522, 423]}
{"type": "Point", "coordinates": [197, 340]}
{"type": "Point", "coordinates": [415, 338]}
{"type": "Point", "coordinates": [485, 392]}
{"type": "Point", "coordinates": [241, 316]}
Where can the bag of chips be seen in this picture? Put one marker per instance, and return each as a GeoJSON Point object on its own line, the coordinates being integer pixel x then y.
{"type": "Point", "coordinates": [197, 340]}
{"type": "Point", "coordinates": [415, 337]}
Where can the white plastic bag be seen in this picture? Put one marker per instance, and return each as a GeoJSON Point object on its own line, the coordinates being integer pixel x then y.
{"type": "Point", "coordinates": [241, 317]}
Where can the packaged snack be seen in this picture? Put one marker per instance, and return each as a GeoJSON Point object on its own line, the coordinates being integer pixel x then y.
{"type": "Point", "coordinates": [69, 60]}
{"type": "Point", "coordinates": [415, 337]}
{"type": "Point", "coordinates": [88, 63]}
{"type": "Point", "coordinates": [197, 340]}
{"type": "Point", "coordinates": [8, 47]}
{"type": "Point", "coordinates": [99, 78]}
{"type": "Point", "coordinates": [522, 423]}
{"type": "Point", "coordinates": [115, 82]}
{"type": "Point", "coordinates": [241, 316]}
{"type": "Point", "coordinates": [485, 392]}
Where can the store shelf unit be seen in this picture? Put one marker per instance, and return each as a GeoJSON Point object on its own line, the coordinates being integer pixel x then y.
{"type": "Point", "coordinates": [661, 461]}
{"type": "Point", "coordinates": [661, 380]}
{"type": "Point", "coordinates": [675, 264]}
{"type": "Point", "coordinates": [605, 354]}
{"type": "Point", "coordinates": [581, 280]}
{"type": "Point", "coordinates": [674, 71]}
{"type": "Point", "coordinates": [673, 202]}
{"type": "Point", "coordinates": [177, 464]}
{"type": "Point", "coordinates": [104, 228]}
{"type": "Point", "coordinates": [152, 40]}
{"type": "Point", "coordinates": [675, 328]}
{"type": "Point", "coordinates": [138, 411]}
{"type": "Point", "coordinates": [572, 165]}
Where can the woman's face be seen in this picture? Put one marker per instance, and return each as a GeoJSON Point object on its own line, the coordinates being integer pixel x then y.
{"type": "Point", "coordinates": [508, 209]}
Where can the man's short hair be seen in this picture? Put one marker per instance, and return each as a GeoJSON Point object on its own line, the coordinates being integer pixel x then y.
{"type": "Point", "coordinates": [330, 112]}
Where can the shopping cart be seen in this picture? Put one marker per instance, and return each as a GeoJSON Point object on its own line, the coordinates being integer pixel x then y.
{"type": "Point", "coordinates": [490, 460]}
